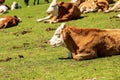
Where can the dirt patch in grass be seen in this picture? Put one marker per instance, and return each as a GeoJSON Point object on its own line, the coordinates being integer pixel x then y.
{"type": "Point", "coordinates": [22, 32]}
{"type": "Point", "coordinates": [50, 29]}
{"type": "Point", "coordinates": [10, 58]}
{"type": "Point", "coordinates": [5, 59]}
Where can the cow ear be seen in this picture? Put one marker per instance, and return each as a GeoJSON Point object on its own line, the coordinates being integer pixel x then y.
{"type": "Point", "coordinates": [15, 16]}
{"type": "Point", "coordinates": [60, 3]}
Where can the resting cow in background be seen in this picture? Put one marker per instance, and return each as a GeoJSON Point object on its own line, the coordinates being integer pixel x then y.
{"type": "Point", "coordinates": [94, 5]}
{"type": "Point", "coordinates": [9, 21]}
{"type": "Point", "coordinates": [27, 2]}
{"type": "Point", "coordinates": [15, 5]}
{"type": "Point", "coordinates": [87, 43]}
{"type": "Point", "coordinates": [116, 7]}
{"type": "Point", "coordinates": [4, 8]}
{"type": "Point", "coordinates": [88, 6]}
{"type": "Point", "coordinates": [61, 11]}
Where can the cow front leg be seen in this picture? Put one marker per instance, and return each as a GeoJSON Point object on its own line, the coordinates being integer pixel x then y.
{"type": "Point", "coordinates": [46, 18]}
{"type": "Point", "coordinates": [50, 21]}
{"type": "Point", "coordinates": [53, 20]}
{"type": "Point", "coordinates": [84, 56]}
{"type": "Point", "coordinates": [63, 19]}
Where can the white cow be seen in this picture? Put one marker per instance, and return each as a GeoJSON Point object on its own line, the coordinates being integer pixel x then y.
{"type": "Point", "coordinates": [15, 5]}
{"type": "Point", "coordinates": [3, 9]}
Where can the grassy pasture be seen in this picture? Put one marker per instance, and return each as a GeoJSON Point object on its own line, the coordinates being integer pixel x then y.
{"type": "Point", "coordinates": [40, 61]}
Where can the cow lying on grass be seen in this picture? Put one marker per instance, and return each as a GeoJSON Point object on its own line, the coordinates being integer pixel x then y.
{"type": "Point", "coordinates": [93, 5]}
{"type": "Point", "coordinates": [87, 43]}
{"type": "Point", "coordinates": [15, 5]}
{"type": "Point", "coordinates": [9, 21]}
{"type": "Point", "coordinates": [61, 11]}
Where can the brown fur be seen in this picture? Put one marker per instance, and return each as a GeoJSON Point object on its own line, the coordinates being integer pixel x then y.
{"type": "Point", "coordinates": [91, 43]}
{"type": "Point", "coordinates": [9, 21]}
{"type": "Point", "coordinates": [67, 11]}
{"type": "Point", "coordinates": [102, 4]}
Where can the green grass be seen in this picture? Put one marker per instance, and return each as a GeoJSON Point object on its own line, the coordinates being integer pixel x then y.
{"type": "Point", "coordinates": [41, 61]}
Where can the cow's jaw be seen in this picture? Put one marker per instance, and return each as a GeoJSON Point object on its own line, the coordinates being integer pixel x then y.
{"type": "Point", "coordinates": [57, 39]}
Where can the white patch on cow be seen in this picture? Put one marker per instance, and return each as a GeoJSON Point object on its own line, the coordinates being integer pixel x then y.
{"type": "Point", "coordinates": [15, 5]}
{"type": "Point", "coordinates": [57, 38]}
{"type": "Point", "coordinates": [20, 19]}
{"type": "Point", "coordinates": [1, 19]}
{"type": "Point", "coordinates": [53, 8]}
{"type": "Point", "coordinates": [73, 1]}
{"type": "Point", "coordinates": [118, 15]}
{"type": "Point", "coordinates": [3, 9]}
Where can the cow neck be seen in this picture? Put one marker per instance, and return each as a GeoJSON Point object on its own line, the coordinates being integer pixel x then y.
{"type": "Point", "coordinates": [70, 43]}
{"type": "Point", "coordinates": [61, 11]}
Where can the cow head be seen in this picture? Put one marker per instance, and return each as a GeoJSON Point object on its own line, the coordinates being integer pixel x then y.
{"type": "Point", "coordinates": [17, 19]}
{"type": "Point", "coordinates": [53, 8]}
{"type": "Point", "coordinates": [57, 38]}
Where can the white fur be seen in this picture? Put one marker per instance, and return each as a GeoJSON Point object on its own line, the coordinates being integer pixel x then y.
{"type": "Point", "coordinates": [15, 5]}
{"type": "Point", "coordinates": [42, 19]}
{"type": "Point", "coordinates": [3, 9]}
{"type": "Point", "coordinates": [57, 38]}
{"type": "Point", "coordinates": [53, 8]}
{"type": "Point", "coordinates": [1, 19]}
{"type": "Point", "coordinates": [73, 1]}
{"type": "Point", "coordinates": [118, 15]}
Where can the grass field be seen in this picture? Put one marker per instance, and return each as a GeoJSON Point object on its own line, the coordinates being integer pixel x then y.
{"type": "Point", "coordinates": [25, 55]}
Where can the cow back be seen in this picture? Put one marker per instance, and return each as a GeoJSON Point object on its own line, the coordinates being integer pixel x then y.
{"type": "Point", "coordinates": [65, 8]}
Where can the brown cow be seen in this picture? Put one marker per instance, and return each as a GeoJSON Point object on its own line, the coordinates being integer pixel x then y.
{"type": "Point", "coordinates": [9, 21]}
{"type": "Point", "coordinates": [87, 43]}
{"type": "Point", "coordinates": [94, 5]}
{"type": "Point", "coordinates": [61, 11]}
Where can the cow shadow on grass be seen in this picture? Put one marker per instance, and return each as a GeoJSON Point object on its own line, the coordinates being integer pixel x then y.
{"type": "Point", "coordinates": [66, 58]}
{"type": "Point", "coordinates": [81, 17]}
